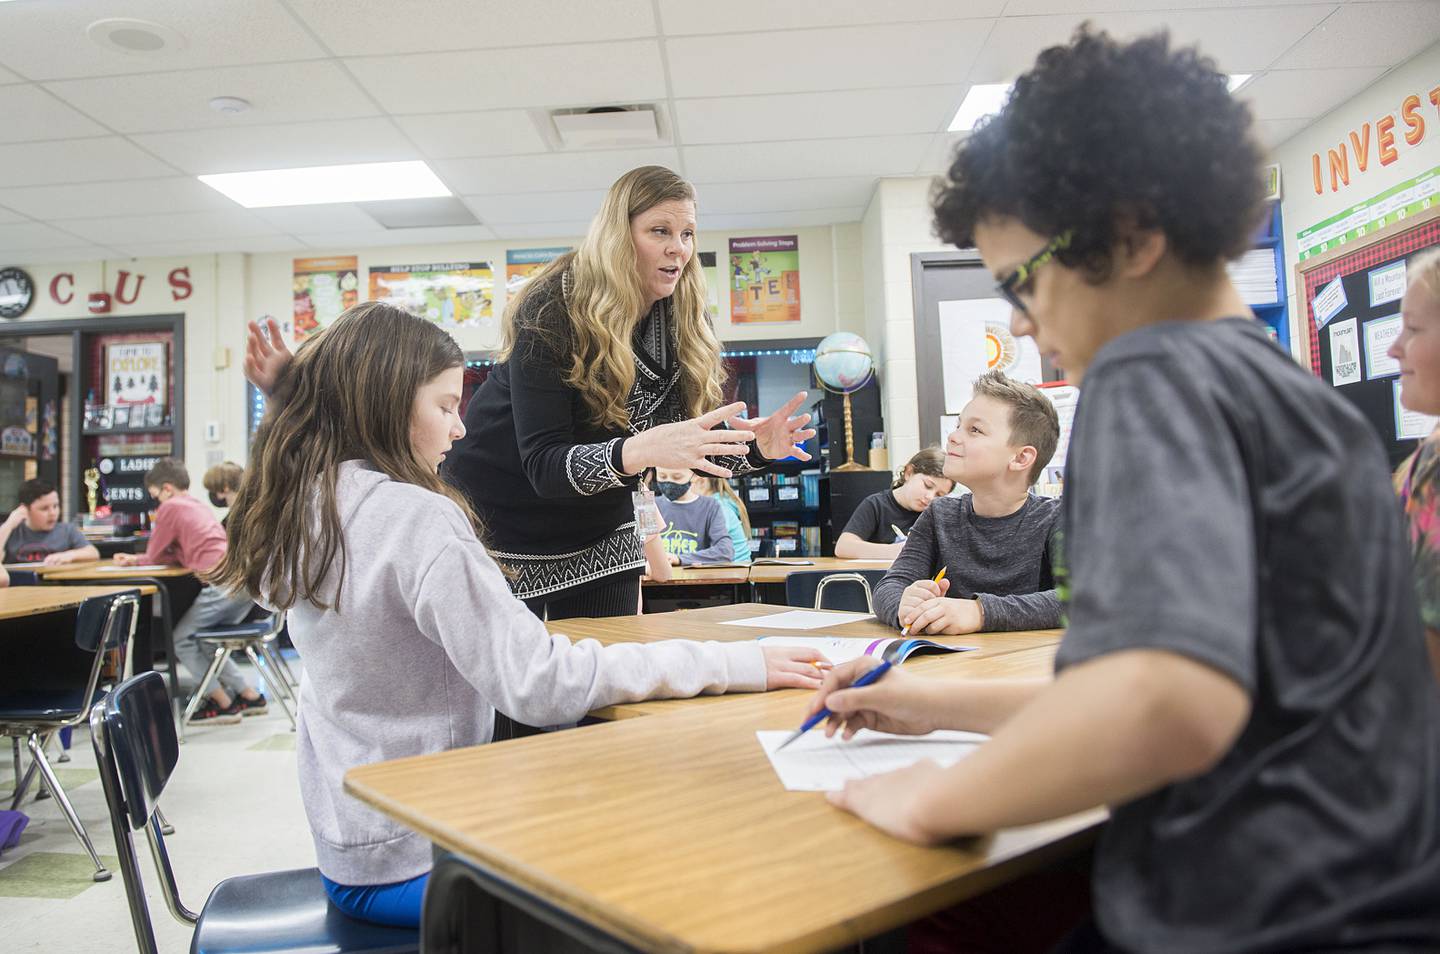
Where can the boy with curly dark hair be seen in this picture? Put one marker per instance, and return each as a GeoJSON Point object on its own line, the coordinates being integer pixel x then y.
{"type": "Point", "coordinates": [1242, 680]}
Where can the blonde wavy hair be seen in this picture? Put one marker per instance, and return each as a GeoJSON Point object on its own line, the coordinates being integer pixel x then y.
{"type": "Point", "coordinates": [1424, 269]}
{"type": "Point", "coordinates": [606, 302]}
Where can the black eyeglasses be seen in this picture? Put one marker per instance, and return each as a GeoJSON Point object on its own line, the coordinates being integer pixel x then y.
{"type": "Point", "coordinates": [1009, 286]}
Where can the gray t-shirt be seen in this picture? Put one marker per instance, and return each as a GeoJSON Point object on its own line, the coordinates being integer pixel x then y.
{"type": "Point", "coordinates": [696, 531]}
{"type": "Point", "coordinates": [33, 546]}
{"type": "Point", "coordinates": [1225, 505]}
{"type": "Point", "coordinates": [1004, 562]}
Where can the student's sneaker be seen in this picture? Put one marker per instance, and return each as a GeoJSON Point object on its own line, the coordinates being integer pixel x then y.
{"type": "Point", "coordinates": [249, 707]}
{"type": "Point", "coordinates": [210, 713]}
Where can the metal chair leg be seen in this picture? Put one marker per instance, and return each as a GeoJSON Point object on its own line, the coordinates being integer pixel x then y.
{"type": "Point", "coordinates": [22, 787]}
{"type": "Point", "coordinates": [285, 668]}
{"type": "Point", "coordinates": [220, 653]}
{"type": "Point", "coordinates": [15, 752]}
{"type": "Point", "coordinates": [47, 774]}
{"type": "Point", "coordinates": [279, 693]}
{"type": "Point", "coordinates": [165, 827]}
{"type": "Point", "coordinates": [276, 664]}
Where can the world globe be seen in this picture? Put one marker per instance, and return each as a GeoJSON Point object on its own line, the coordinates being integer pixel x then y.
{"type": "Point", "coordinates": [843, 362]}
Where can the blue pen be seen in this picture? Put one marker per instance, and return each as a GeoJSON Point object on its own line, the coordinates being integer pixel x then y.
{"type": "Point", "coordinates": [824, 714]}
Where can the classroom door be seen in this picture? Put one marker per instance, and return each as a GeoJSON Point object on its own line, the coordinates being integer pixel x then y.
{"type": "Point", "coordinates": [957, 281]}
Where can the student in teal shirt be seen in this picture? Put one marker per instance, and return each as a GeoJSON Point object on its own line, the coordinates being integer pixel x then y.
{"type": "Point", "coordinates": [737, 518]}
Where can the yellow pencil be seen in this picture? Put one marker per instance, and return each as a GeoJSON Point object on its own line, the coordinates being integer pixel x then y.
{"type": "Point", "coordinates": [905, 631]}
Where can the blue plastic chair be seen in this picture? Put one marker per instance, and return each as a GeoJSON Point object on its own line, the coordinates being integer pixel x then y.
{"type": "Point", "coordinates": [49, 682]}
{"type": "Point", "coordinates": [255, 640]}
{"type": "Point", "coordinates": [279, 912]}
{"type": "Point", "coordinates": [822, 589]}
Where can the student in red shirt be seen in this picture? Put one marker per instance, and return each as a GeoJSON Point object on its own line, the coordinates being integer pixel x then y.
{"type": "Point", "coordinates": [186, 533]}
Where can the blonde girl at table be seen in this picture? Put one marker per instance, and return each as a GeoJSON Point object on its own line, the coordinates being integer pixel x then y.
{"type": "Point", "coordinates": [411, 637]}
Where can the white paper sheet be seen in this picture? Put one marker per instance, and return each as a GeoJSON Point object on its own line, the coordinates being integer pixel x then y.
{"type": "Point", "coordinates": [1345, 353]}
{"type": "Point", "coordinates": [133, 568]}
{"type": "Point", "coordinates": [799, 619]}
{"type": "Point", "coordinates": [813, 763]}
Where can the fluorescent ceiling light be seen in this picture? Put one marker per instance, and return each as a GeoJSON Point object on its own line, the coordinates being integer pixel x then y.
{"type": "Point", "coordinates": [985, 99]}
{"type": "Point", "coordinates": [317, 185]}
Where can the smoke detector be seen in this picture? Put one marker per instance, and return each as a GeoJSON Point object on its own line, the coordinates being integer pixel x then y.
{"type": "Point", "coordinates": [134, 37]}
{"type": "Point", "coordinates": [599, 126]}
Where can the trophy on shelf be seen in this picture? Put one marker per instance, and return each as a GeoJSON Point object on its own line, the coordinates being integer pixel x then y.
{"type": "Point", "coordinates": [844, 365]}
{"type": "Point", "coordinates": [92, 487]}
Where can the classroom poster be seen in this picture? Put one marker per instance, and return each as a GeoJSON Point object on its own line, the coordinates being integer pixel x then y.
{"type": "Point", "coordinates": [1410, 425]}
{"type": "Point", "coordinates": [1387, 284]}
{"type": "Point", "coordinates": [1329, 303]}
{"type": "Point", "coordinates": [451, 294]}
{"type": "Point", "coordinates": [1345, 353]}
{"type": "Point", "coordinates": [711, 271]}
{"type": "Point", "coordinates": [764, 279]}
{"type": "Point", "coordinates": [975, 338]}
{"type": "Point", "coordinates": [1380, 334]}
{"type": "Point", "coordinates": [324, 287]}
{"type": "Point", "coordinates": [522, 264]}
{"type": "Point", "coordinates": [136, 372]}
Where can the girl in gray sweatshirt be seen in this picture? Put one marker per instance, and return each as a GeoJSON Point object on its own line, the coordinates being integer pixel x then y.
{"type": "Point", "coordinates": [411, 637]}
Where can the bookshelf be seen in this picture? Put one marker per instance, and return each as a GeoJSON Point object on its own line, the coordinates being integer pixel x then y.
{"type": "Point", "coordinates": [1260, 276]}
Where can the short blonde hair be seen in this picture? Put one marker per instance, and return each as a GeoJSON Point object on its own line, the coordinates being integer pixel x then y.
{"type": "Point", "coordinates": [1424, 269]}
{"type": "Point", "coordinates": [223, 477]}
{"type": "Point", "coordinates": [1033, 420]}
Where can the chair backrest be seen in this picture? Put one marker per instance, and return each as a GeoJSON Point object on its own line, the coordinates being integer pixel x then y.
{"type": "Point", "coordinates": [846, 592]}
{"type": "Point", "coordinates": [133, 734]}
{"type": "Point", "coordinates": [54, 679]}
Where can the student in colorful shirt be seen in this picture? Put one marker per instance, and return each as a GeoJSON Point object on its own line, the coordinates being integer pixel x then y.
{"type": "Point", "coordinates": [694, 525]}
{"type": "Point", "coordinates": [1417, 481]}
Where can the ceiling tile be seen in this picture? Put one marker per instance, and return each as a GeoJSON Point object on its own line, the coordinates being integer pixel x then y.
{"type": "Point", "coordinates": [828, 115]}
{"type": "Point", "coordinates": [8, 77]}
{"type": "Point", "coordinates": [125, 230]}
{"type": "Point", "coordinates": [501, 132]}
{"type": "Point", "coordinates": [1304, 94]}
{"type": "Point", "coordinates": [285, 146]}
{"type": "Point", "coordinates": [580, 75]}
{"type": "Point", "coordinates": [215, 33]}
{"type": "Point", "coordinates": [724, 198]}
{"type": "Point", "coordinates": [427, 26]}
{"type": "Point", "coordinates": [399, 237]}
{"type": "Point", "coordinates": [497, 210]}
{"type": "Point", "coordinates": [1020, 8]}
{"type": "Point", "coordinates": [161, 102]}
{"type": "Point", "coordinates": [1243, 40]}
{"type": "Point", "coordinates": [819, 60]}
{"type": "Point", "coordinates": [136, 197]}
{"type": "Point", "coordinates": [783, 220]}
{"type": "Point", "coordinates": [252, 243]}
{"type": "Point", "coordinates": [681, 17]}
{"type": "Point", "coordinates": [31, 114]}
{"type": "Point", "coordinates": [878, 156]}
{"type": "Point", "coordinates": [1373, 34]}
{"type": "Point", "coordinates": [8, 216]}
{"type": "Point", "coordinates": [341, 217]}
{"type": "Point", "coordinates": [563, 171]}
{"type": "Point", "coordinates": [941, 153]}
{"type": "Point", "coordinates": [567, 232]}
{"type": "Point", "coordinates": [81, 160]}
{"type": "Point", "coordinates": [23, 236]}
{"type": "Point", "coordinates": [70, 253]}
{"type": "Point", "coordinates": [1273, 132]}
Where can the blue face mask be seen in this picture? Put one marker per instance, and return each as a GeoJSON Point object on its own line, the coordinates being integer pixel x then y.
{"type": "Point", "coordinates": [672, 490]}
{"type": "Point", "coordinates": [216, 501]}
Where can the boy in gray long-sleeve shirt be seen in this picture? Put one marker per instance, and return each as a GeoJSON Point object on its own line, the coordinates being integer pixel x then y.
{"type": "Point", "coordinates": [994, 542]}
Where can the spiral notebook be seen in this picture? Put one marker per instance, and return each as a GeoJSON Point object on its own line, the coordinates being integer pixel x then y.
{"type": "Point", "coordinates": [840, 649]}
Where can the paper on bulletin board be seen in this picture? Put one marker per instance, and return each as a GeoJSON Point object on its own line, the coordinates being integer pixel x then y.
{"type": "Point", "coordinates": [1380, 334]}
{"type": "Point", "coordinates": [323, 288]}
{"type": "Point", "coordinates": [1410, 425]}
{"type": "Point", "coordinates": [1329, 303]}
{"type": "Point", "coordinates": [974, 338]}
{"type": "Point", "coordinates": [1344, 353]}
{"type": "Point", "coordinates": [452, 294]}
{"type": "Point", "coordinates": [522, 264]}
{"type": "Point", "coordinates": [1387, 284]}
{"type": "Point", "coordinates": [1066, 399]}
{"type": "Point", "coordinates": [765, 279]}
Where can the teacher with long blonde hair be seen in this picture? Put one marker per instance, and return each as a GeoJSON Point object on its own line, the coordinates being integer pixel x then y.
{"type": "Point", "coordinates": [608, 367]}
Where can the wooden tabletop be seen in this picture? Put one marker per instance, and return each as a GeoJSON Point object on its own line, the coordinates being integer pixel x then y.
{"type": "Point", "coordinates": [1039, 646]}
{"type": "Point", "coordinates": [674, 834]}
{"type": "Point", "coordinates": [777, 573]}
{"type": "Point", "coordinates": [690, 575]}
{"type": "Point", "coordinates": [18, 601]}
{"type": "Point", "coordinates": [110, 570]}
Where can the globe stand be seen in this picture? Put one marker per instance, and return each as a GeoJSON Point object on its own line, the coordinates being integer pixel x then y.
{"type": "Point", "coordinates": [849, 464]}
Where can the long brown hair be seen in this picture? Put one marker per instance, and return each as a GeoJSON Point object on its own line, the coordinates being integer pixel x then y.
{"type": "Point", "coordinates": [347, 395]}
{"type": "Point", "coordinates": [929, 461]}
{"type": "Point", "coordinates": [605, 304]}
{"type": "Point", "coordinates": [720, 487]}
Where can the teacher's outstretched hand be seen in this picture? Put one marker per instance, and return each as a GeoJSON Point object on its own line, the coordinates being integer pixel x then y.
{"type": "Point", "coordinates": [779, 435]}
{"type": "Point", "coordinates": [688, 445]}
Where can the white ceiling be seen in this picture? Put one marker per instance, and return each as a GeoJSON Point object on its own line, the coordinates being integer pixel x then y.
{"type": "Point", "coordinates": [783, 114]}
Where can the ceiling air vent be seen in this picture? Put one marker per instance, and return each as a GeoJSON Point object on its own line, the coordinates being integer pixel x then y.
{"type": "Point", "coordinates": [600, 126]}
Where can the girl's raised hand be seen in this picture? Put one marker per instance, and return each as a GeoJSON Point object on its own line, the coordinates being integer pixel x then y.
{"type": "Point", "coordinates": [266, 355]}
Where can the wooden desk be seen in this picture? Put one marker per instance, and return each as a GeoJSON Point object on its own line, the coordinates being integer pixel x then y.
{"type": "Point", "coordinates": [110, 570]}
{"type": "Point", "coordinates": [1039, 647]}
{"type": "Point", "coordinates": [20, 601]}
{"type": "Point", "coordinates": [777, 573]}
{"type": "Point", "coordinates": [673, 834]}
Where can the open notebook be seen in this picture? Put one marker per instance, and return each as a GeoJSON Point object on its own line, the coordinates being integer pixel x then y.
{"type": "Point", "coordinates": [839, 649]}
{"type": "Point", "coordinates": [817, 764]}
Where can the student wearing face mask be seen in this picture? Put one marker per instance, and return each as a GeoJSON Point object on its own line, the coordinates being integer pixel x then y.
{"type": "Point", "coordinates": [222, 483]}
{"type": "Point", "coordinates": [695, 529]}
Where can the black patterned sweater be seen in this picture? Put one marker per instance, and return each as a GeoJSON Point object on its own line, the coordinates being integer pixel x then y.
{"type": "Point", "coordinates": [545, 479]}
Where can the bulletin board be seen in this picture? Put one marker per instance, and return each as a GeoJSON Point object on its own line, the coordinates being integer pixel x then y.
{"type": "Point", "coordinates": [1351, 303]}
